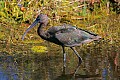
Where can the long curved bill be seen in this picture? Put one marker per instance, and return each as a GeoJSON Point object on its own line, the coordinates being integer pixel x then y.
{"type": "Point", "coordinates": [32, 25]}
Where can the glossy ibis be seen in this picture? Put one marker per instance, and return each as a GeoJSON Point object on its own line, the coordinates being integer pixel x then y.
{"type": "Point", "coordinates": [64, 35]}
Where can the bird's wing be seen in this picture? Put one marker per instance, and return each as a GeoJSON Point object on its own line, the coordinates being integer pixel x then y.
{"type": "Point", "coordinates": [74, 36]}
{"type": "Point", "coordinates": [55, 29]}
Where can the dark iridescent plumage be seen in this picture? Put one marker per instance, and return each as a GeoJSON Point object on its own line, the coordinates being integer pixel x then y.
{"type": "Point", "coordinates": [64, 35]}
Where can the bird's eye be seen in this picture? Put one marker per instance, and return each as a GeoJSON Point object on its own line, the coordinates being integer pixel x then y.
{"type": "Point", "coordinates": [38, 19]}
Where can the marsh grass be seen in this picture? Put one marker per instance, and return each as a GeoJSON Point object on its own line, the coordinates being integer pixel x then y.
{"type": "Point", "coordinates": [14, 21]}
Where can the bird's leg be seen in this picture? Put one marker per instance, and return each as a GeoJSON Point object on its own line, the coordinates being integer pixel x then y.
{"type": "Point", "coordinates": [80, 59]}
{"type": "Point", "coordinates": [64, 56]}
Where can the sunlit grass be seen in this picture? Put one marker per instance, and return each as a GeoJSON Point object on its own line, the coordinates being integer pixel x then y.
{"type": "Point", "coordinates": [32, 41]}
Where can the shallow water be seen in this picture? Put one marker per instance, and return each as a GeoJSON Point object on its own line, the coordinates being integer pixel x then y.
{"type": "Point", "coordinates": [98, 64]}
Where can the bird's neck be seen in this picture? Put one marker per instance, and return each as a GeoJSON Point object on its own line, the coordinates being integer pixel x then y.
{"type": "Point", "coordinates": [41, 32]}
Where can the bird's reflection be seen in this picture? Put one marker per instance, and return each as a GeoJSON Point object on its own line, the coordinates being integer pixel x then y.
{"type": "Point", "coordinates": [75, 71]}
{"type": "Point", "coordinates": [74, 75]}
{"type": "Point", "coordinates": [65, 76]}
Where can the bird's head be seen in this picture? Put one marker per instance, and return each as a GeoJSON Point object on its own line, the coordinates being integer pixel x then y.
{"type": "Point", "coordinates": [41, 18]}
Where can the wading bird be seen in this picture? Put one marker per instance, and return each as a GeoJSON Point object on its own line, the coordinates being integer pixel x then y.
{"type": "Point", "coordinates": [64, 35]}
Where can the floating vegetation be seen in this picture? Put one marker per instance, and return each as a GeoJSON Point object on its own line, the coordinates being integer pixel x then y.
{"type": "Point", "coordinates": [39, 49]}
